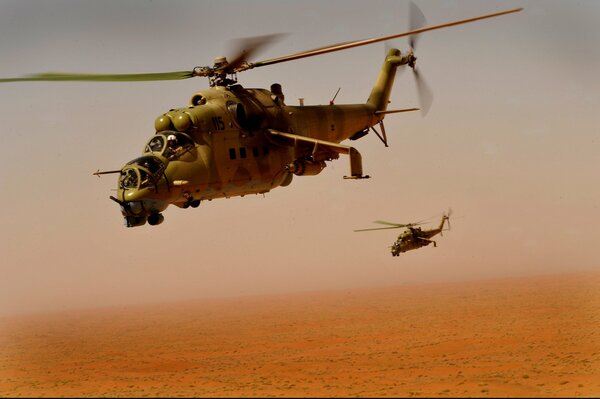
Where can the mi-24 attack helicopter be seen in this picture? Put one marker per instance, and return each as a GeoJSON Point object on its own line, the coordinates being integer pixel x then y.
{"type": "Point", "coordinates": [233, 141]}
{"type": "Point", "coordinates": [413, 237]}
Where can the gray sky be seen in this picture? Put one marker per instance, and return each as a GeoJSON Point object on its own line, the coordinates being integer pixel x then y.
{"type": "Point", "coordinates": [511, 143]}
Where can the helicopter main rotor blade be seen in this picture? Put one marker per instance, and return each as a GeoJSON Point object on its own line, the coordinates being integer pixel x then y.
{"type": "Point", "coordinates": [247, 47]}
{"type": "Point", "coordinates": [348, 45]}
{"type": "Point", "coordinates": [239, 62]}
{"type": "Point", "coordinates": [399, 224]}
{"type": "Point", "coordinates": [379, 228]}
{"type": "Point", "coordinates": [389, 223]}
{"type": "Point", "coordinates": [130, 77]}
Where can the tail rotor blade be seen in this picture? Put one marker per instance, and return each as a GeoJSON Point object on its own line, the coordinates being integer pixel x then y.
{"type": "Point", "coordinates": [416, 21]}
{"type": "Point", "coordinates": [424, 92]}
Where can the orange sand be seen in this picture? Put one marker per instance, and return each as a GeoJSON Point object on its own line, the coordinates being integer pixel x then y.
{"type": "Point", "coordinates": [515, 337]}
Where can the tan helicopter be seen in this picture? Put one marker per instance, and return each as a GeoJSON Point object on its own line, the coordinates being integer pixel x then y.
{"type": "Point", "coordinates": [413, 237]}
{"type": "Point", "coordinates": [233, 141]}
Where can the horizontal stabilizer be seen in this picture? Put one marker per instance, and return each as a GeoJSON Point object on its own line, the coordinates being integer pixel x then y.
{"type": "Point", "coordinates": [395, 111]}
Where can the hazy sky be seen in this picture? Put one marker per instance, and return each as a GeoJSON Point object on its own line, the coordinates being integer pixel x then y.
{"type": "Point", "coordinates": [511, 143]}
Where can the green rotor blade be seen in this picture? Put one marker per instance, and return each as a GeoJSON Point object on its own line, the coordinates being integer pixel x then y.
{"type": "Point", "coordinates": [133, 77]}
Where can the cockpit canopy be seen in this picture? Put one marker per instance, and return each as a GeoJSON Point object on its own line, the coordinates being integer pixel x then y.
{"type": "Point", "coordinates": [170, 149]}
{"type": "Point", "coordinates": [141, 172]}
{"type": "Point", "coordinates": [150, 162]}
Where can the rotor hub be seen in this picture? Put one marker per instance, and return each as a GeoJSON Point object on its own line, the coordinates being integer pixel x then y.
{"type": "Point", "coordinates": [220, 61]}
{"type": "Point", "coordinates": [412, 60]}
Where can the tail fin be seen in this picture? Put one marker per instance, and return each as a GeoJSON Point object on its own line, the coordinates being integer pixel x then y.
{"type": "Point", "coordinates": [441, 226]}
{"type": "Point", "coordinates": [445, 217]}
{"type": "Point", "coordinates": [380, 94]}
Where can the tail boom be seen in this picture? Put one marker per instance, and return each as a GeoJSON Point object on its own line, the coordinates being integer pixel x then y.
{"type": "Point", "coordinates": [380, 94]}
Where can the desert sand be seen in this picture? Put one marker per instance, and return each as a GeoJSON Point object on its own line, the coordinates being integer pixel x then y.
{"type": "Point", "coordinates": [530, 336]}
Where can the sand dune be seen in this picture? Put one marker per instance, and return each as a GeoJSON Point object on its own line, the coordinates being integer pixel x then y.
{"type": "Point", "coordinates": [515, 337]}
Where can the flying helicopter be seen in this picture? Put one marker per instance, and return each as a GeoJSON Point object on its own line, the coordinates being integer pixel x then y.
{"type": "Point", "coordinates": [413, 237]}
{"type": "Point", "coordinates": [235, 141]}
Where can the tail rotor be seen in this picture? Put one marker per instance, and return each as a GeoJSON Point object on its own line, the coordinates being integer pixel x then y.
{"type": "Point", "coordinates": [417, 21]}
{"type": "Point", "coordinates": [447, 217]}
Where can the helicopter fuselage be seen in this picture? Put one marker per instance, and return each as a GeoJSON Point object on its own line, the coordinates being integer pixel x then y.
{"type": "Point", "coordinates": [232, 141]}
{"type": "Point", "coordinates": [415, 238]}
{"type": "Point", "coordinates": [409, 240]}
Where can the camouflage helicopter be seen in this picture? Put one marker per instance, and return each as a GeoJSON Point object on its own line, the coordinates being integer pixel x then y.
{"type": "Point", "coordinates": [234, 141]}
{"type": "Point", "coordinates": [413, 237]}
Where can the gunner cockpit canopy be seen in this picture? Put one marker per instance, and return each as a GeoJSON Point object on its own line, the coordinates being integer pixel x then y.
{"type": "Point", "coordinates": [141, 172]}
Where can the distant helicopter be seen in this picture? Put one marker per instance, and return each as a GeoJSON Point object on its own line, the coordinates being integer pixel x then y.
{"type": "Point", "coordinates": [413, 237]}
{"type": "Point", "coordinates": [232, 141]}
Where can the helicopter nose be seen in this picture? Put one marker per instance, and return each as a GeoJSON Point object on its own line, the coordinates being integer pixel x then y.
{"type": "Point", "coordinates": [135, 207]}
{"type": "Point", "coordinates": [139, 212]}
{"type": "Point", "coordinates": [132, 209]}
{"type": "Point", "coordinates": [134, 221]}
{"type": "Point", "coordinates": [133, 213]}
{"type": "Point", "coordinates": [129, 207]}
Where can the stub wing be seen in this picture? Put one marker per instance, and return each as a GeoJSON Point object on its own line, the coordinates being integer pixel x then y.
{"type": "Point", "coordinates": [320, 150]}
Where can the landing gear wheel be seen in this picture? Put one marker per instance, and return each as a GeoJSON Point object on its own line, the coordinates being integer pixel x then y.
{"type": "Point", "coordinates": [191, 202]}
{"type": "Point", "coordinates": [155, 219]}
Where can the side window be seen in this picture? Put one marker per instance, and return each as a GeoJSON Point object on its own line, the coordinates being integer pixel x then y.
{"type": "Point", "coordinates": [255, 152]}
{"type": "Point", "coordinates": [145, 179]}
{"type": "Point", "coordinates": [232, 153]}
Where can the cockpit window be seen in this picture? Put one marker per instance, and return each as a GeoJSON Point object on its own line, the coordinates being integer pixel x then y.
{"type": "Point", "coordinates": [145, 179]}
{"type": "Point", "coordinates": [144, 173]}
{"type": "Point", "coordinates": [169, 144]}
{"type": "Point", "coordinates": [156, 144]}
{"type": "Point", "coordinates": [150, 162]}
{"type": "Point", "coordinates": [129, 179]}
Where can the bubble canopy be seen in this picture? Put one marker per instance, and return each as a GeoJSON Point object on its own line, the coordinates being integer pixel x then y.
{"type": "Point", "coordinates": [141, 172]}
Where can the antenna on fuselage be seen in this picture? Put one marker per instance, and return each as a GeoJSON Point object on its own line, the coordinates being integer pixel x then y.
{"type": "Point", "coordinates": [333, 99]}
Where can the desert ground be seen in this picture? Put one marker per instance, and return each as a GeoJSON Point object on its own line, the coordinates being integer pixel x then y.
{"type": "Point", "coordinates": [515, 337]}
